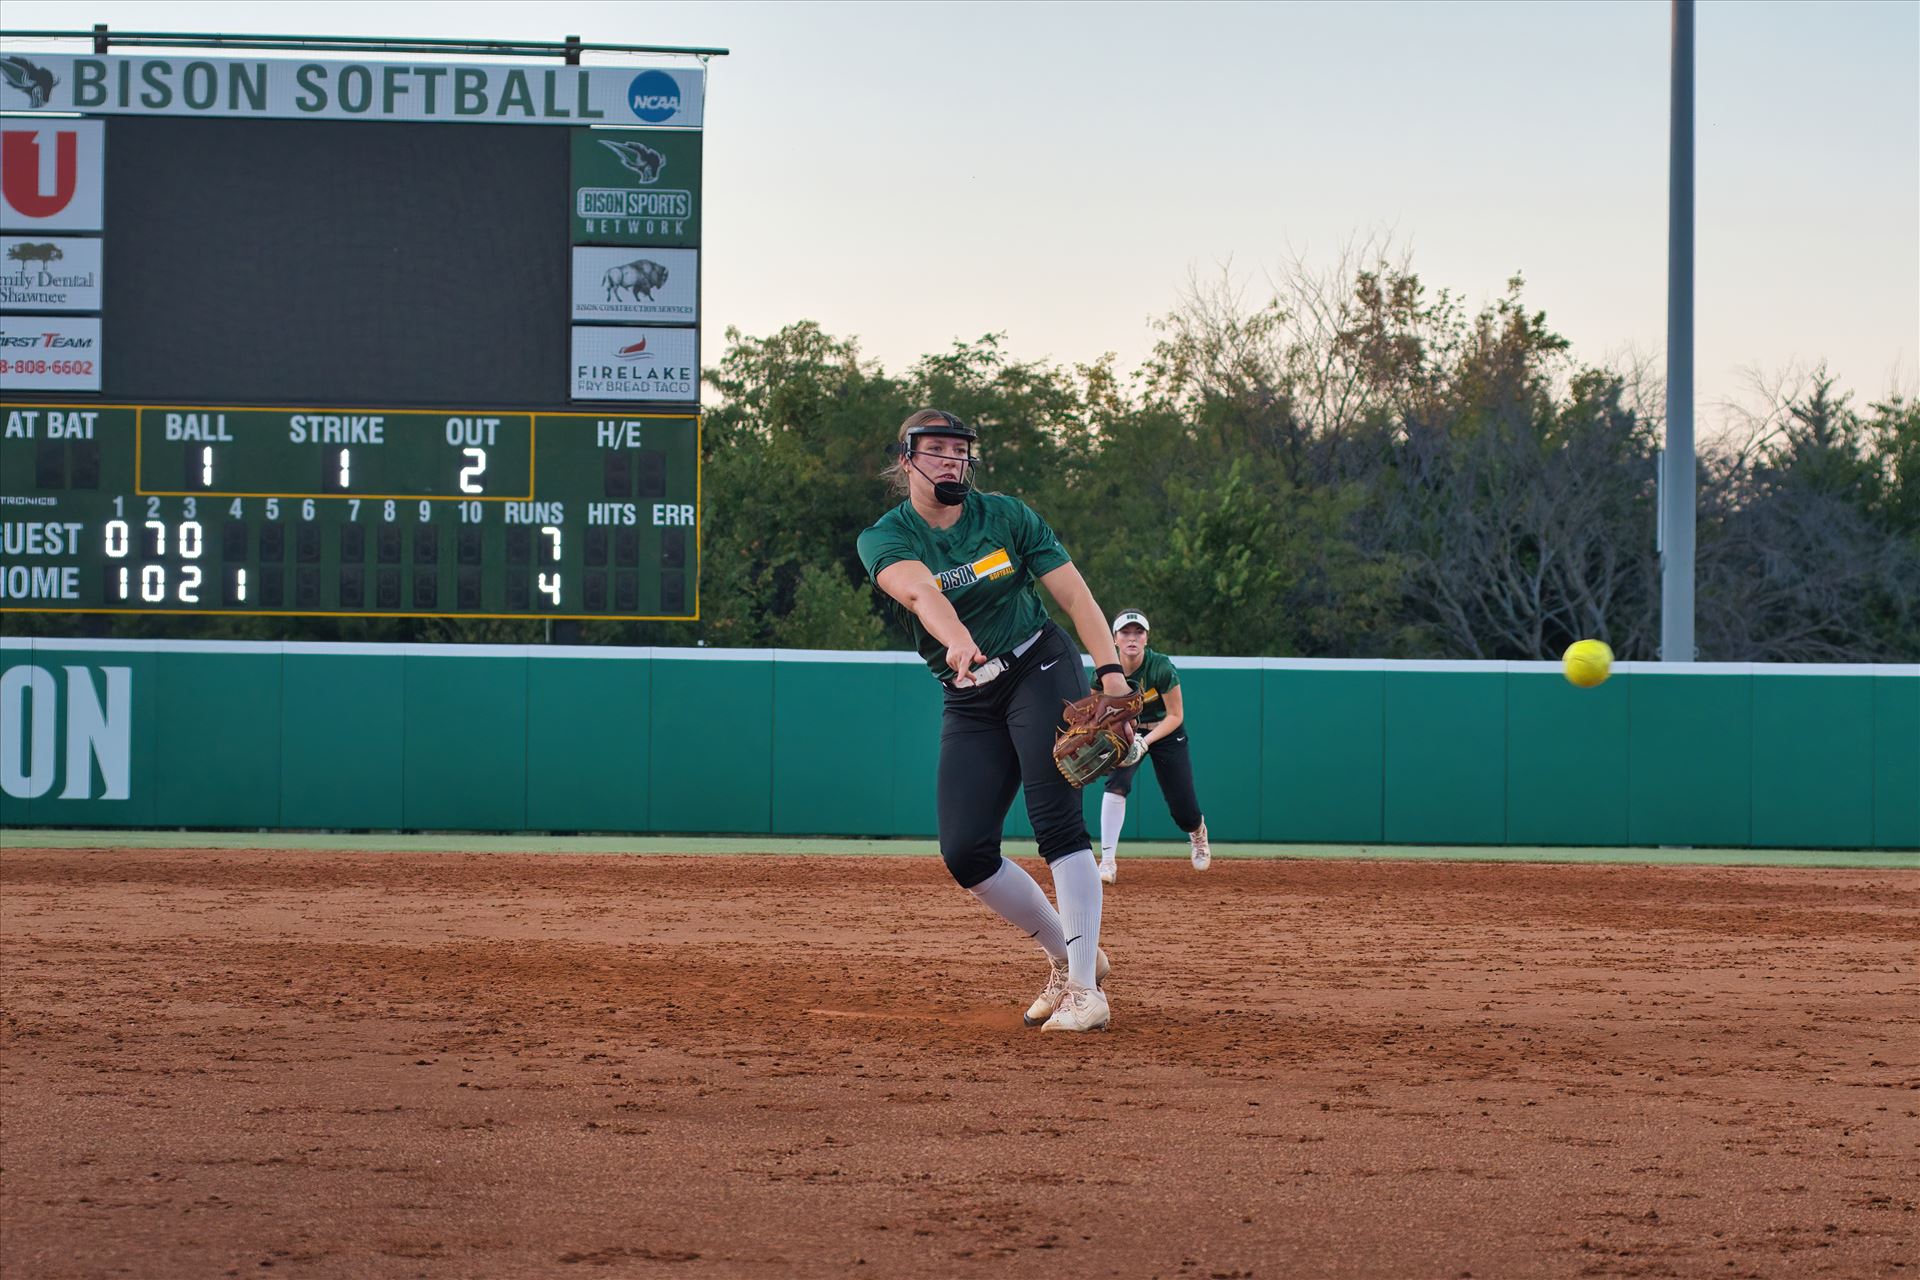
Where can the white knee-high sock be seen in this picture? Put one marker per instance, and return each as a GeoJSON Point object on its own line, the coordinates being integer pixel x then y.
{"type": "Point", "coordinates": [1076, 883]}
{"type": "Point", "coordinates": [1113, 817]}
{"type": "Point", "coordinates": [1023, 904]}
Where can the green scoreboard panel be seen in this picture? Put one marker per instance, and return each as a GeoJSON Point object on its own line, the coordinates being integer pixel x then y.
{"type": "Point", "coordinates": [224, 509]}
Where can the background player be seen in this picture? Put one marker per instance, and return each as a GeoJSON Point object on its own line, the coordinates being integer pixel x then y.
{"type": "Point", "coordinates": [964, 563]}
{"type": "Point", "coordinates": [1163, 720]}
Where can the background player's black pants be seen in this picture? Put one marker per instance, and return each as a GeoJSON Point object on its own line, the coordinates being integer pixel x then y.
{"type": "Point", "coordinates": [996, 740]}
{"type": "Point", "coordinates": [1173, 766]}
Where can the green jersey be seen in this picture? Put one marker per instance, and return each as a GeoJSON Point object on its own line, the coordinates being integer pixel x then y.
{"type": "Point", "coordinates": [1155, 675]}
{"type": "Point", "coordinates": [985, 564]}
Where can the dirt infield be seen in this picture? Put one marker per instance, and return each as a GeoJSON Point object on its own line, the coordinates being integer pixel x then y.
{"type": "Point", "coordinates": [251, 1063]}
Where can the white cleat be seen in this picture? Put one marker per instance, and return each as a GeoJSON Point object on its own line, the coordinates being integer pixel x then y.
{"type": "Point", "coordinates": [1055, 992]}
{"type": "Point", "coordinates": [1109, 872]}
{"type": "Point", "coordinates": [1081, 1009]}
{"type": "Point", "coordinates": [1202, 854]}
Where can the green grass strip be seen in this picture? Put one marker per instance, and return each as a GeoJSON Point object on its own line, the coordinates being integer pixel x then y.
{"type": "Point", "coordinates": [790, 846]}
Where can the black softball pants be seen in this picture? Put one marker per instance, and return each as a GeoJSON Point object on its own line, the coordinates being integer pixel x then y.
{"type": "Point", "coordinates": [995, 740]}
{"type": "Point", "coordinates": [1173, 767]}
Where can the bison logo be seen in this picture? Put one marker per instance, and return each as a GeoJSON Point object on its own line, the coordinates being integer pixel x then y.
{"type": "Point", "coordinates": [29, 78]}
{"type": "Point", "coordinates": [639, 277]}
{"type": "Point", "coordinates": [44, 254]}
{"type": "Point", "coordinates": [638, 158]}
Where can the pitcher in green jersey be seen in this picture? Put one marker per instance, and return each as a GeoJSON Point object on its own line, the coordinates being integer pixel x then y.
{"type": "Point", "coordinates": [963, 564]}
{"type": "Point", "coordinates": [1161, 733]}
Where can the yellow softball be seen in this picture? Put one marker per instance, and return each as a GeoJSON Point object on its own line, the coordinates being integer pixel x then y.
{"type": "Point", "coordinates": [1587, 662]}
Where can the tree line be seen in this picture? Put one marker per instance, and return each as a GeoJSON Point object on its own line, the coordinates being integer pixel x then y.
{"type": "Point", "coordinates": [1354, 466]}
{"type": "Point", "coordinates": [1351, 465]}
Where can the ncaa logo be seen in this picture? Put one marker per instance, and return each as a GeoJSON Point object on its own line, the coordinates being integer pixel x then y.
{"type": "Point", "coordinates": [654, 96]}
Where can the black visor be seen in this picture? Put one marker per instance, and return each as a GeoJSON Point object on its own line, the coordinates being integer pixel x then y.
{"type": "Point", "coordinates": [945, 425]}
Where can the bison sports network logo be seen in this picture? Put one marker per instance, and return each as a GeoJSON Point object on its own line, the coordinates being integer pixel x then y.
{"type": "Point", "coordinates": [23, 75]}
{"type": "Point", "coordinates": [637, 158]}
{"type": "Point", "coordinates": [642, 208]}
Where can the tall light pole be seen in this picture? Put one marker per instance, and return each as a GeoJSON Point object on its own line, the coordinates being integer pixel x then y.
{"type": "Point", "coordinates": [1677, 469]}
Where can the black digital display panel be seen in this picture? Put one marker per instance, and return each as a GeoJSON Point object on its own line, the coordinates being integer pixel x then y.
{"type": "Point", "coordinates": [329, 262]}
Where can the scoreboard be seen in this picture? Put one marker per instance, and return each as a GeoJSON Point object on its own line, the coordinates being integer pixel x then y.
{"type": "Point", "coordinates": [247, 510]}
{"type": "Point", "coordinates": [398, 338]}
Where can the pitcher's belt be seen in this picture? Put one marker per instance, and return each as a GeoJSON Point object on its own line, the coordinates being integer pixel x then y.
{"type": "Point", "coordinates": [995, 666]}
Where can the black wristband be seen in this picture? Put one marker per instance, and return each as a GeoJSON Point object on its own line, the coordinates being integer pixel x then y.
{"type": "Point", "coordinates": [1114, 667]}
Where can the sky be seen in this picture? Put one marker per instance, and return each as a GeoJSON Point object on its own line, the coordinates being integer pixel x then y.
{"type": "Point", "coordinates": [911, 175]}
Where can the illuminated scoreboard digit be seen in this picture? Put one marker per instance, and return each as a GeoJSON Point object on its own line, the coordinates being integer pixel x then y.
{"type": "Point", "coordinates": [334, 453]}
{"type": "Point", "coordinates": [246, 510]}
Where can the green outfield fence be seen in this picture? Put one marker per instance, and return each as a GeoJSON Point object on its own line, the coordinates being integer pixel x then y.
{"type": "Point", "coordinates": [229, 734]}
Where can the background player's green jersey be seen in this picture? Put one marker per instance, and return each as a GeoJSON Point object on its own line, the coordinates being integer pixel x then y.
{"type": "Point", "coordinates": [985, 564]}
{"type": "Point", "coordinates": [1156, 675]}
